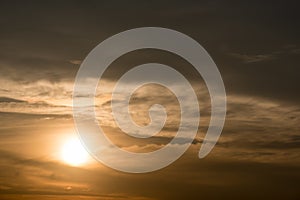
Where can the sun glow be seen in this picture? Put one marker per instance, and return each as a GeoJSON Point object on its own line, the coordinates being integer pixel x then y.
{"type": "Point", "coordinates": [73, 153]}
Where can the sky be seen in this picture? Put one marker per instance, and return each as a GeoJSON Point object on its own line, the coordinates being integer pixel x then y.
{"type": "Point", "coordinates": [256, 47]}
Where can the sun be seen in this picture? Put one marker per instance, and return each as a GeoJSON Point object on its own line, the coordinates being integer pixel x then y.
{"type": "Point", "coordinates": [73, 153]}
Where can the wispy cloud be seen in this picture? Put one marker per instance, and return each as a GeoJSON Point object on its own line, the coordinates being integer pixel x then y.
{"type": "Point", "coordinates": [75, 62]}
{"type": "Point", "coordinates": [253, 58]}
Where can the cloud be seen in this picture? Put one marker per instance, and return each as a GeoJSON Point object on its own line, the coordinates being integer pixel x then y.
{"type": "Point", "coordinates": [296, 51]}
{"type": "Point", "coordinates": [253, 58]}
{"type": "Point", "coordinates": [75, 62]}
{"type": "Point", "coordinates": [38, 178]}
{"type": "Point", "coordinates": [39, 107]}
{"type": "Point", "coordinates": [42, 47]}
{"type": "Point", "coordinates": [10, 100]}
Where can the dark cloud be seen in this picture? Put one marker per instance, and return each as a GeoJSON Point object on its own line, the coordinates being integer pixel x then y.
{"type": "Point", "coordinates": [10, 100]}
{"type": "Point", "coordinates": [42, 40]}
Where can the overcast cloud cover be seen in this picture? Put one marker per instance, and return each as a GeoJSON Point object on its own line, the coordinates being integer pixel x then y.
{"type": "Point", "coordinates": [256, 47]}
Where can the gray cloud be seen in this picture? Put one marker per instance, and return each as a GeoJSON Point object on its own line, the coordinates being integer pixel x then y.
{"type": "Point", "coordinates": [10, 100]}
{"type": "Point", "coordinates": [47, 48]}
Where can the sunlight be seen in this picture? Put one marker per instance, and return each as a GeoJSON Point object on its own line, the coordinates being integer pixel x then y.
{"type": "Point", "coordinates": [73, 153]}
